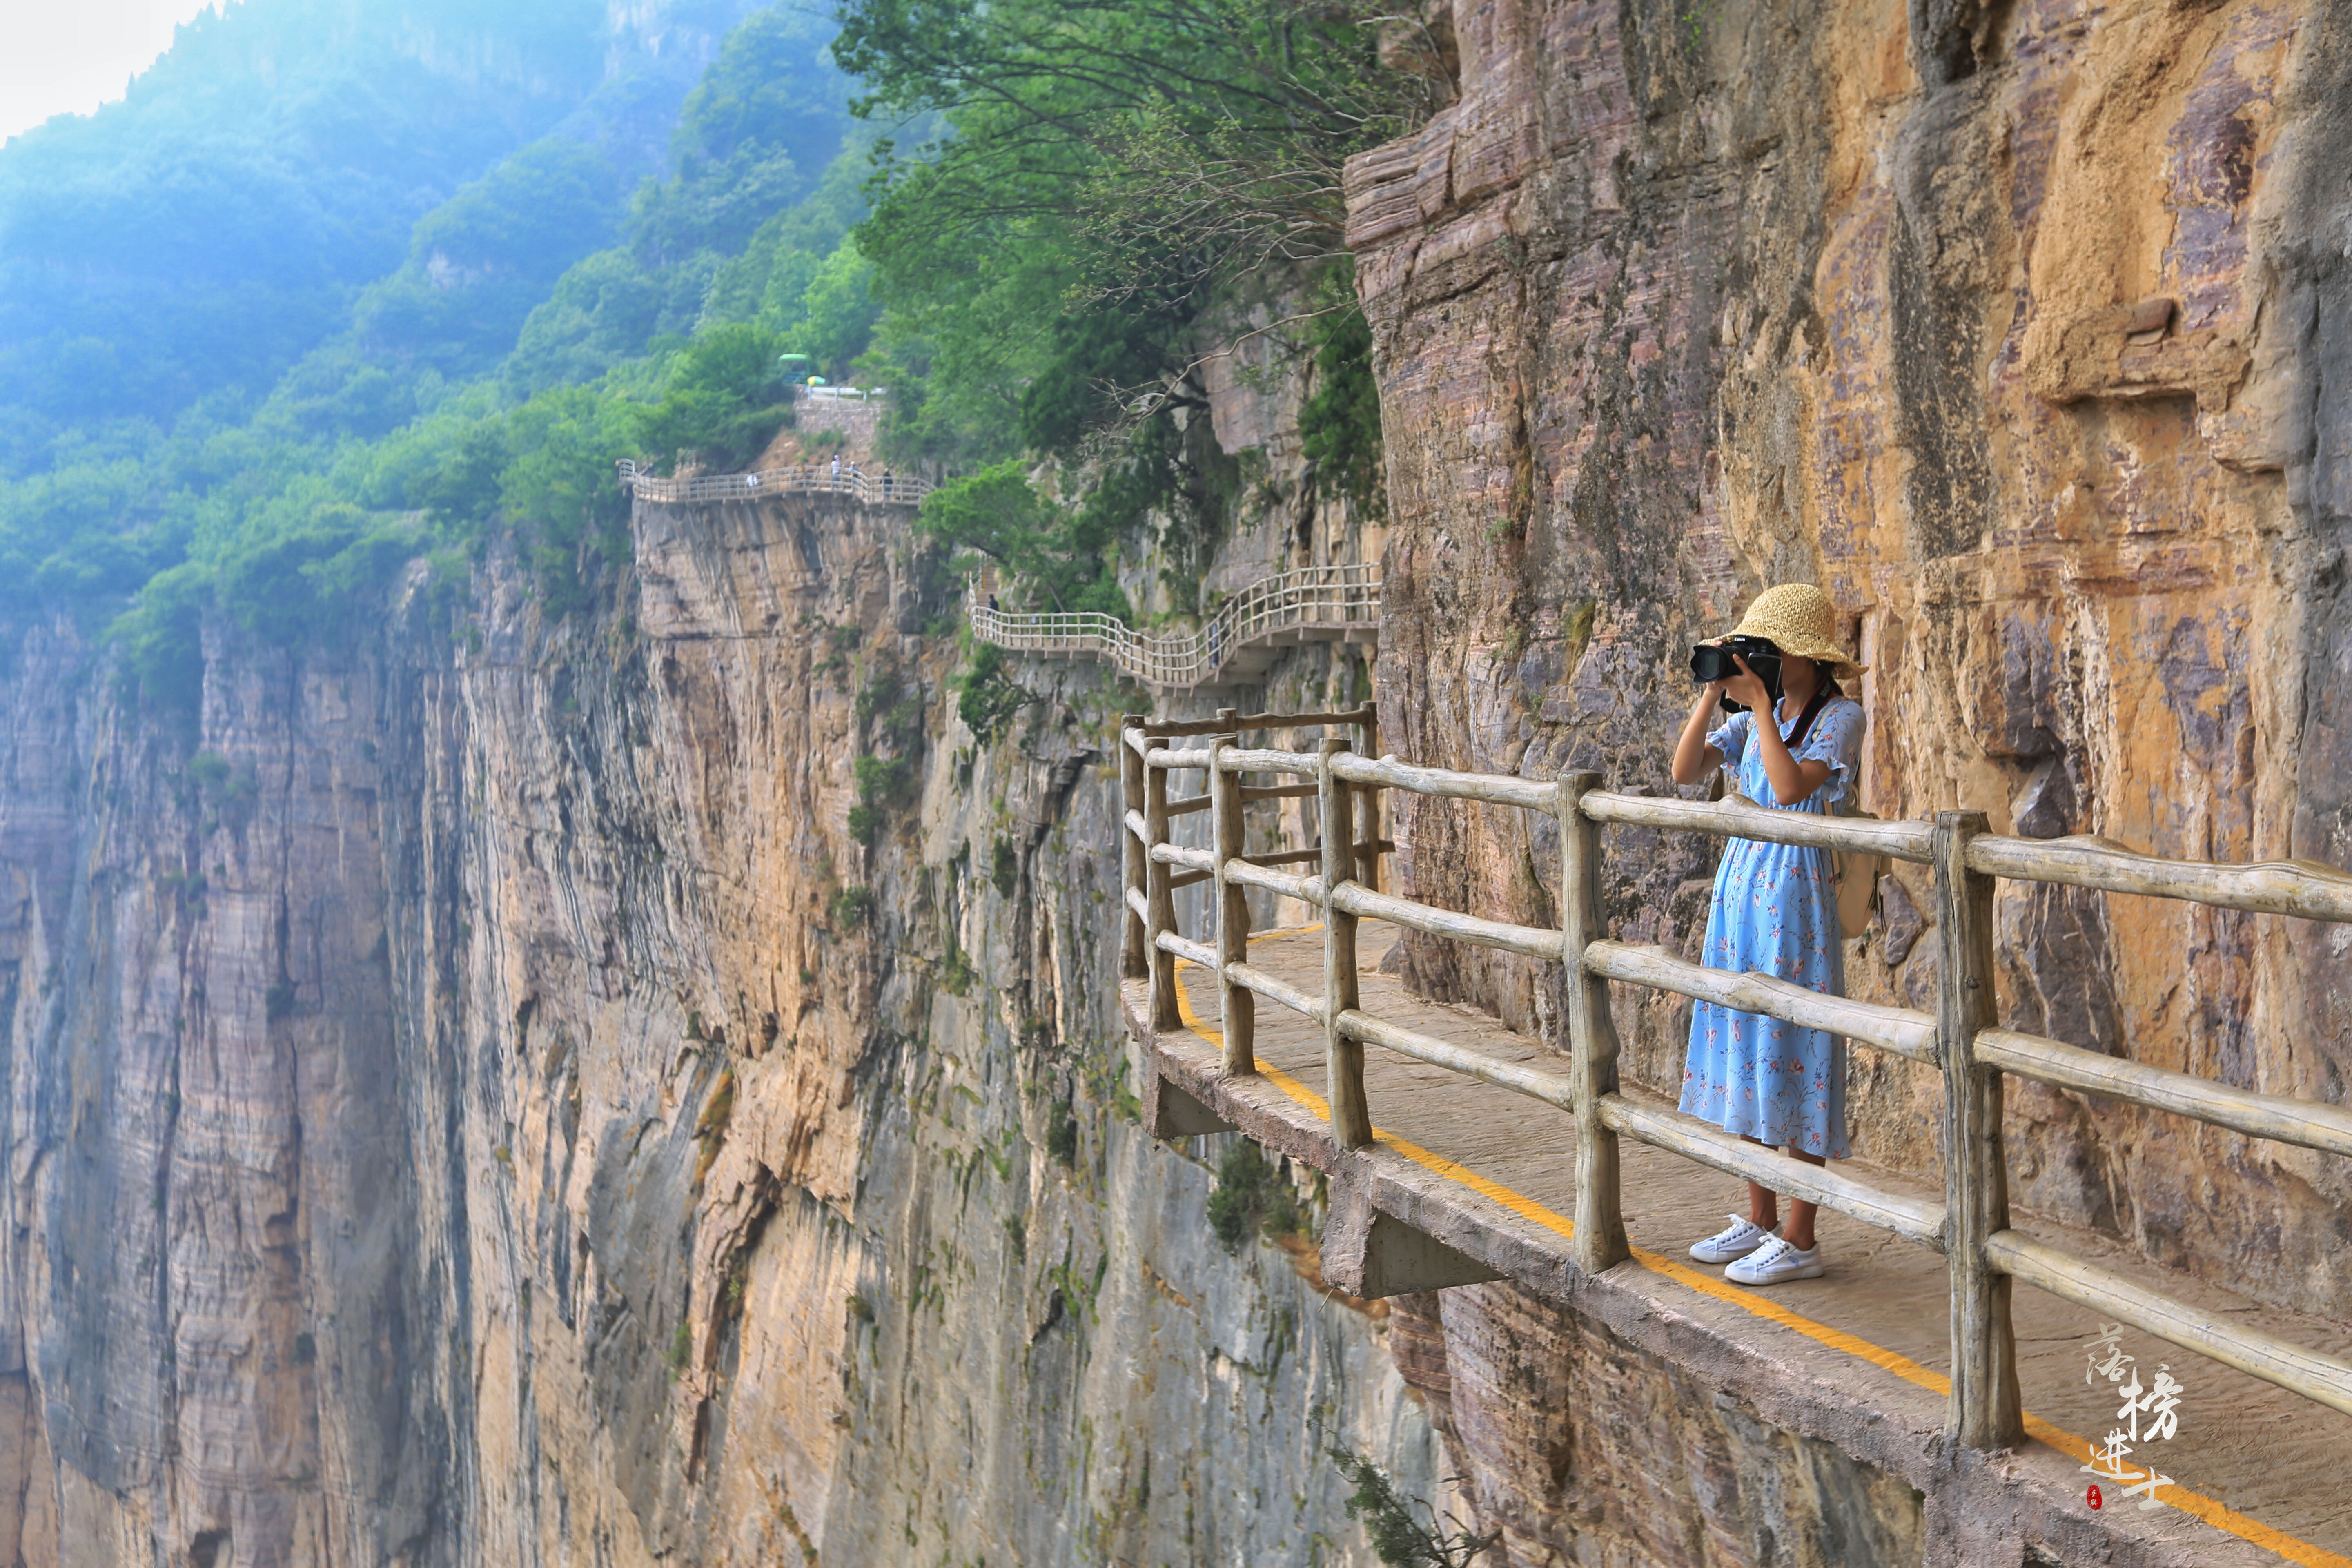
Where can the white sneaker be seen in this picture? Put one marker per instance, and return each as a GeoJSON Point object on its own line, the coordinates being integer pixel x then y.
{"type": "Point", "coordinates": [1774, 1261]}
{"type": "Point", "coordinates": [1744, 1237]}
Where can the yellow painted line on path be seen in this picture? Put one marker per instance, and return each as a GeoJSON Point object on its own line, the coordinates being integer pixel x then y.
{"type": "Point", "coordinates": [2218, 1515]}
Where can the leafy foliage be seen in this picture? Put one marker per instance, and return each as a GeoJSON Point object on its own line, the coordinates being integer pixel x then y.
{"type": "Point", "coordinates": [414, 431]}
{"type": "Point", "coordinates": [998, 512]}
{"type": "Point", "coordinates": [987, 699]}
{"type": "Point", "coordinates": [1394, 1521]}
{"type": "Point", "coordinates": [208, 229]}
{"type": "Point", "coordinates": [1340, 423]}
{"type": "Point", "coordinates": [725, 399]}
{"type": "Point", "coordinates": [1252, 1196]}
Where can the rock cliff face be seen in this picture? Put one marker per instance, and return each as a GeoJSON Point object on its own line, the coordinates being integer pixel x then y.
{"type": "Point", "coordinates": [618, 1092]}
{"type": "Point", "coordinates": [2022, 330]}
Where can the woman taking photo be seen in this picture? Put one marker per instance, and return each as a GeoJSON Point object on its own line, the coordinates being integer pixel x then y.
{"type": "Point", "coordinates": [1775, 913]}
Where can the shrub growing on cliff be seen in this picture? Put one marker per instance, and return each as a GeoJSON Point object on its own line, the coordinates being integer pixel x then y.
{"type": "Point", "coordinates": [884, 783]}
{"type": "Point", "coordinates": [851, 908]}
{"type": "Point", "coordinates": [986, 698]}
{"type": "Point", "coordinates": [1394, 1520]}
{"type": "Point", "coordinates": [725, 399]}
{"type": "Point", "coordinates": [1252, 1196]}
{"type": "Point", "coordinates": [1340, 423]}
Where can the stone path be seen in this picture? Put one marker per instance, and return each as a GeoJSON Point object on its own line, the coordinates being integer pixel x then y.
{"type": "Point", "coordinates": [2263, 1465]}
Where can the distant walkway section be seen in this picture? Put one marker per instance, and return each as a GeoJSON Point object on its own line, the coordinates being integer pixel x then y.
{"type": "Point", "coordinates": [1312, 604]}
{"type": "Point", "coordinates": [806, 479]}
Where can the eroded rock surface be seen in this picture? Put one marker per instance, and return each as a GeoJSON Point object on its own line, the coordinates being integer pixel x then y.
{"type": "Point", "coordinates": [2021, 331]}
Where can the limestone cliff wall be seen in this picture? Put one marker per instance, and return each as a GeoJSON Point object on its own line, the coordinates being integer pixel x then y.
{"type": "Point", "coordinates": [1674, 302]}
{"type": "Point", "coordinates": [482, 1101]}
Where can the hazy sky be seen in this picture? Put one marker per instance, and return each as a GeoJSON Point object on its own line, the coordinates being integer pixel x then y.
{"type": "Point", "coordinates": [71, 55]}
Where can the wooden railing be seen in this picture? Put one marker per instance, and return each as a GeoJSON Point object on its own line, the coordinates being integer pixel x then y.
{"type": "Point", "coordinates": [1961, 1037]}
{"type": "Point", "coordinates": [1298, 604]}
{"type": "Point", "coordinates": [807, 479]}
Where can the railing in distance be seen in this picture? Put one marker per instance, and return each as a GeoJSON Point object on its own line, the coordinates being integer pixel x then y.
{"type": "Point", "coordinates": [1306, 598]}
{"type": "Point", "coordinates": [1961, 1039]}
{"type": "Point", "coordinates": [872, 489]}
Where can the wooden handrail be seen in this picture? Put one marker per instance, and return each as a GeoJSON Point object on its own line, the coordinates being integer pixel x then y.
{"type": "Point", "coordinates": [1960, 1039]}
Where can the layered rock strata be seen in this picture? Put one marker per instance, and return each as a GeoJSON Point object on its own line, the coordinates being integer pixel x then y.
{"type": "Point", "coordinates": [625, 1089]}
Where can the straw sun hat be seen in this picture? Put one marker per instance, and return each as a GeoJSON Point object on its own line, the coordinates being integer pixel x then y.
{"type": "Point", "coordinates": [1798, 619]}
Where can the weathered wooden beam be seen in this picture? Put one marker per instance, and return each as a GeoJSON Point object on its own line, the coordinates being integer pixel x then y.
{"type": "Point", "coordinates": [1367, 802]}
{"type": "Point", "coordinates": [1245, 760]}
{"type": "Point", "coordinates": [1533, 1082]}
{"type": "Point", "coordinates": [1134, 956]}
{"type": "Point", "coordinates": [1188, 805]}
{"type": "Point", "coordinates": [1290, 886]}
{"type": "Point", "coordinates": [2304, 888]}
{"type": "Point", "coordinates": [1160, 757]}
{"type": "Point", "coordinates": [2313, 1124]}
{"type": "Point", "coordinates": [1599, 1241]}
{"type": "Point", "coordinates": [1493, 789]}
{"type": "Point", "coordinates": [1905, 1032]}
{"type": "Point", "coordinates": [2314, 1374]}
{"type": "Point", "coordinates": [1188, 950]}
{"type": "Point", "coordinates": [1901, 840]}
{"type": "Point", "coordinates": [1710, 1145]}
{"type": "Point", "coordinates": [1535, 942]}
{"type": "Point", "coordinates": [1281, 991]}
{"type": "Point", "coordinates": [1161, 898]}
{"type": "Point", "coordinates": [1986, 1410]}
{"type": "Point", "coordinates": [1351, 1117]}
{"type": "Point", "coordinates": [1238, 1007]}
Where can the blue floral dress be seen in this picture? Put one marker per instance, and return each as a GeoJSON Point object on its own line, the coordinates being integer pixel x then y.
{"type": "Point", "coordinates": [1775, 913]}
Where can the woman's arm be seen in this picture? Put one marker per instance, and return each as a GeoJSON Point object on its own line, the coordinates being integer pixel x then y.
{"type": "Point", "coordinates": [1792, 781]}
{"type": "Point", "coordinates": [1693, 757]}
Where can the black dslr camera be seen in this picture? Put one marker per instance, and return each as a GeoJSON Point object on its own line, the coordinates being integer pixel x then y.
{"type": "Point", "coordinates": [1712, 662]}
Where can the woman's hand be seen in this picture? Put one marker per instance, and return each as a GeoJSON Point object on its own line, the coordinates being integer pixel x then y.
{"type": "Point", "coordinates": [1693, 757]}
{"type": "Point", "coordinates": [1747, 687]}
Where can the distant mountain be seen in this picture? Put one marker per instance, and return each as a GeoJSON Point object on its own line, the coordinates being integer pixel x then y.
{"type": "Point", "coordinates": [194, 240]}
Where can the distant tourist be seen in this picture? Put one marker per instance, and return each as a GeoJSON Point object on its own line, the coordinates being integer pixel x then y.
{"type": "Point", "coordinates": [836, 467]}
{"type": "Point", "coordinates": [885, 484]}
{"type": "Point", "coordinates": [1775, 913]}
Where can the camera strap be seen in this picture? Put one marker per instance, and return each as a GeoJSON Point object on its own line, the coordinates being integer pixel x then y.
{"type": "Point", "coordinates": [1813, 705]}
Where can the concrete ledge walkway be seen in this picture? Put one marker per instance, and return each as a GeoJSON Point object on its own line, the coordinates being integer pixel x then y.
{"type": "Point", "coordinates": [1857, 1358]}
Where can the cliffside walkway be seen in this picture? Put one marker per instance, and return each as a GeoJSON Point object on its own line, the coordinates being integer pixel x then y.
{"type": "Point", "coordinates": [806, 479]}
{"type": "Point", "coordinates": [1310, 604]}
{"type": "Point", "coordinates": [1473, 1172]}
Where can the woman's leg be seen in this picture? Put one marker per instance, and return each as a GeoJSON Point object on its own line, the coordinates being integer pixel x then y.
{"type": "Point", "coordinates": [1764, 1205]}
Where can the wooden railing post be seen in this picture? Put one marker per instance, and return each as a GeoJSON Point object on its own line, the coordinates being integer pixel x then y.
{"type": "Point", "coordinates": [1351, 1119]}
{"type": "Point", "coordinates": [1599, 1241]}
{"type": "Point", "coordinates": [1986, 1410]}
{"type": "Point", "coordinates": [1367, 813]}
{"type": "Point", "coordinates": [1237, 1003]}
{"type": "Point", "coordinates": [1135, 954]}
{"type": "Point", "coordinates": [1160, 898]}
